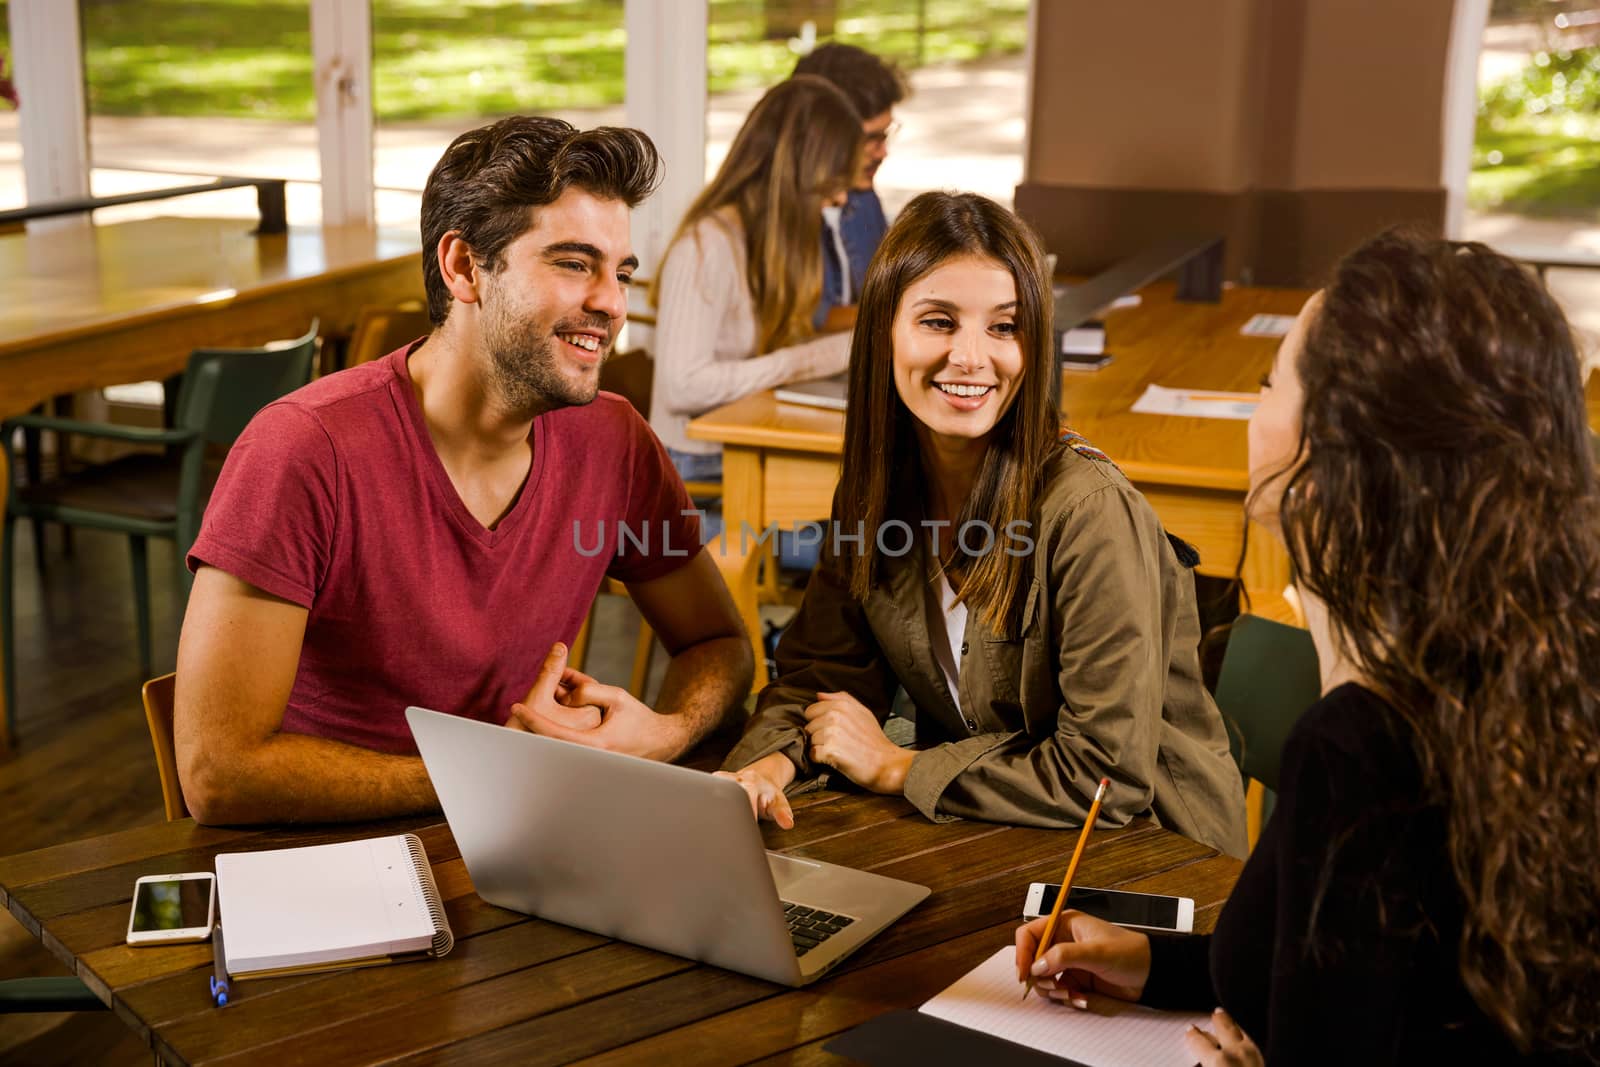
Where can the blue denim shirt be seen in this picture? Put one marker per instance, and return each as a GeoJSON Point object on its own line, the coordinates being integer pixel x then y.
{"type": "Point", "coordinates": [863, 225]}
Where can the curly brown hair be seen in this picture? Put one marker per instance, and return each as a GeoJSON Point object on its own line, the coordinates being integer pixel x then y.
{"type": "Point", "coordinates": [1445, 509]}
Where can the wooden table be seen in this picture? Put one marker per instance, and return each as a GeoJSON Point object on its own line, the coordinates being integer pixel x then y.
{"type": "Point", "coordinates": [520, 990]}
{"type": "Point", "coordinates": [781, 462]}
{"type": "Point", "coordinates": [85, 306]}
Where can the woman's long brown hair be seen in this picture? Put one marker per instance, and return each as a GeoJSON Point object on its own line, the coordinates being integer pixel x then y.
{"type": "Point", "coordinates": [882, 478]}
{"type": "Point", "coordinates": [1446, 511]}
{"type": "Point", "coordinates": [798, 146]}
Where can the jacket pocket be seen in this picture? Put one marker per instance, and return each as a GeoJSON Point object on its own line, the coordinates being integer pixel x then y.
{"type": "Point", "coordinates": [1030, 609]}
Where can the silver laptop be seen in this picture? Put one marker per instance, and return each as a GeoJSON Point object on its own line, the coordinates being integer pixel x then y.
{"type": "Point", "coordinates": [822, 393]}
{"type": "Point", "coordinates": [662, 856]}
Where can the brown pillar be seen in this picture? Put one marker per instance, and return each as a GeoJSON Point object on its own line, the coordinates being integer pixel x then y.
{"type": "Point", "coordinates": [1294, 128]}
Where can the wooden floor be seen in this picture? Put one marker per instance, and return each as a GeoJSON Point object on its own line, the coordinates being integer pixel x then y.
{"type": "Point", "coordinates": [83, 764]}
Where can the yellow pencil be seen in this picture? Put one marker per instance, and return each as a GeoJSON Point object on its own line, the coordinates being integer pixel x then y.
{"type": "Point", "coordinates": [1066, 883]}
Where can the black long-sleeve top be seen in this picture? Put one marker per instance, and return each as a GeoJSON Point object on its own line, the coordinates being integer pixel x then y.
{"type": "Point", "coordinates": [1339, 942]}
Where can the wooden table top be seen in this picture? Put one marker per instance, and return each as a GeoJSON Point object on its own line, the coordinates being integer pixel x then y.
{"type": "Point", "coordinates": [521, 990]}
{"type": "Point", "coordinates": [78, 279]}
{"type": "Point", "coordinates": [1162, 341]}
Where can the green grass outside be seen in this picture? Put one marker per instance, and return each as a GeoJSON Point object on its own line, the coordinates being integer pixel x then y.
{"type": "Point", "coordinates": [5, 46]}
{"type": "Point", "coordinates": [1537, 150]}
{"type": "Point", "coordinates": [1538, 166]}
{"type": "Point", "coordinates": [447, 58]}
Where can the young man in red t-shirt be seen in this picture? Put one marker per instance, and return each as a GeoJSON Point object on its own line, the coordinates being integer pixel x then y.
{"type": "Point", "coordinates": [431, 527]}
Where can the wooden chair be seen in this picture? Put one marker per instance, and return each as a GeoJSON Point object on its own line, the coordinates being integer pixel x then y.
{"type": "Point", "coordinates": [643, 648]}
{"type": "Point", "coordinates": [1269, 678]}
{"type": "Point", "coordinates": [148, 494]}
{"type": "Point", "coordinates": [381, 330]}
{"type": "Point", "coordinates": [158, 704]}
{"type": "Point", "coordinates": [630, 375]}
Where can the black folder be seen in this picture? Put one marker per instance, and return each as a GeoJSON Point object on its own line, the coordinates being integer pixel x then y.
{"type": "Point", "coordinates": [913, 1039]}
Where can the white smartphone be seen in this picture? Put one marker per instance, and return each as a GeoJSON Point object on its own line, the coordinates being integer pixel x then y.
{"type": "Point", "coordinates": [1140, 911]}
{"type": "Point", "coordinates": [171, 908]}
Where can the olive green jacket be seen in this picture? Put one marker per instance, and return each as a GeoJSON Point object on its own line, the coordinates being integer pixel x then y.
{"type": "Point", "coordinates": [1103, 678]}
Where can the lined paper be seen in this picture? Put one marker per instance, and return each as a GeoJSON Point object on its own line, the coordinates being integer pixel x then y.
{"type": "Point", "coordinates": [1110, 1034]}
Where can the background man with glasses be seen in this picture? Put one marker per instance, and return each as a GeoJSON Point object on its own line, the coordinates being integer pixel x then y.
{"type": "Point", "coordinates": [851, 233]}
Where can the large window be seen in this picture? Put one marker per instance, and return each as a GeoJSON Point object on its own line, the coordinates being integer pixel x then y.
{"type": "Point", "coordinates": [441, 67]}
{"type": "Point", "coordinates": [1535, 183]}
{"type": "Point", "coordinates": [964, 119]}
{"type": "Point", "coordinates": [11, 187]}
{"type": "Point", "coordinates": [181, 91]}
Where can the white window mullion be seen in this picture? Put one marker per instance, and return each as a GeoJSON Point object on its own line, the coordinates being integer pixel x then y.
{"type": "Point", "coordinates": [665, 68]}
{"type": "Point", "coordinates": [53, 121]}
{"type": "Point", "coordinates": [1460, 119]}
{"type": "Point", "coordinates": [341, 48]}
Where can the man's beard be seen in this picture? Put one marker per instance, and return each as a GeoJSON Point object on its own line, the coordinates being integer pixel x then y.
{"type": "Point", "coordinates": [523, 368]}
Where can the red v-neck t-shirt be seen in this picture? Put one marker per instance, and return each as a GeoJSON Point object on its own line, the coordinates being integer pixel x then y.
{"type": "Point", "coordinates": [334, 498]}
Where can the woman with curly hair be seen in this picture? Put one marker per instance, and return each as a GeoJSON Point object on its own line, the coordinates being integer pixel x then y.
{"type": "Point", "coordinates": [1425, 891]}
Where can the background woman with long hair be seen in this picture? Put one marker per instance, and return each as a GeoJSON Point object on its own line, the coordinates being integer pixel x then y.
{"type": "Point", "coordinates": [743, 275]}
{"type": "Point", "coordinates": [1011, 580]}
{"type": "Point", "coordinates": [1425, 891]}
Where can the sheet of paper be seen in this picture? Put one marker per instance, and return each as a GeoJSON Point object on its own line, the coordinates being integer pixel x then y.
{"type": "Point", "coordinates": [1111, 1034]}
{"type": "Point", "coordinates": [1267, 325]}
{"type": "Point", "coordinates": [1195, 403]}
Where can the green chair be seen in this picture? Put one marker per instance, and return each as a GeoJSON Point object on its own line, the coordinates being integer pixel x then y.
{"type": "Point", "coordinates": [150, 494]}
{"type": "Point", "coordinates": [1269, 678]}
{"type": "Point", "coordinates": [20, 995]}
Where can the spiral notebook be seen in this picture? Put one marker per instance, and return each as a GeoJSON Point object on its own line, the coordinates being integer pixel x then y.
{"type": "Point", "coordinates": [323, 907]}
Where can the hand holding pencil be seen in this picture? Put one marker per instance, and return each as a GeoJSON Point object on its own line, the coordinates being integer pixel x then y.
{"type": "Point", "coordinates": [1066, 883]}
{"type": "Point", "coordinates": [1092, 954]}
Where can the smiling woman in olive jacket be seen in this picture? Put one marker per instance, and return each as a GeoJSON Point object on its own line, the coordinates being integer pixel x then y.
{"type": "Point", "coordinates": [1002, 571]}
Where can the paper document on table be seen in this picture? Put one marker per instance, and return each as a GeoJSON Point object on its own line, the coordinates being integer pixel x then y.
{"type": "Point", "coordinates": [1110, 1034]}
{"type": "Point", "coordinates": [1195, 403]}
{"type": "Point", "coordinates": [1267, 325]}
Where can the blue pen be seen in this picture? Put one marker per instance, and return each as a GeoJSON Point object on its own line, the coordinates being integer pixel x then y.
{"type": "Point", "coordinates": [219, 980]}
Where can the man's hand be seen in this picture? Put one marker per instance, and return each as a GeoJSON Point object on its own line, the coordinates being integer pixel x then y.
{"type": "Point", "coordinates": [764, 780]}
{"type": "Point", "coordinates": [845, 735]}
{"type": "Point", "coordinates": [551, 697]}
{"type": "Point", "coordinates": [584, 711]}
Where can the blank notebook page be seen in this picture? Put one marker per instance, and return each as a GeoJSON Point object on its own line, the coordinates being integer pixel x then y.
{"type": "Point", "coordinates": [302, 906]}
{"type": "Point", "coordinates": [1111, 1034]}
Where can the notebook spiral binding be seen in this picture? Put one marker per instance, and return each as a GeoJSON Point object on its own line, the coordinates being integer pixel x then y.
{"type": "Point", "coordinates": [428, 891]}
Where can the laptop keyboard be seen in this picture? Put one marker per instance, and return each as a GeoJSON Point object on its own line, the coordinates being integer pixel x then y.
{"type": "Point", "coordinates": [809, 927]}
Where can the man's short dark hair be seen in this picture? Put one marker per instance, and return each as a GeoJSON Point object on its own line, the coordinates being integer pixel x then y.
{"type": "Point", "coordinates": [873, 85]}
{"type": "Point", "coordinates": [488, 179]}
